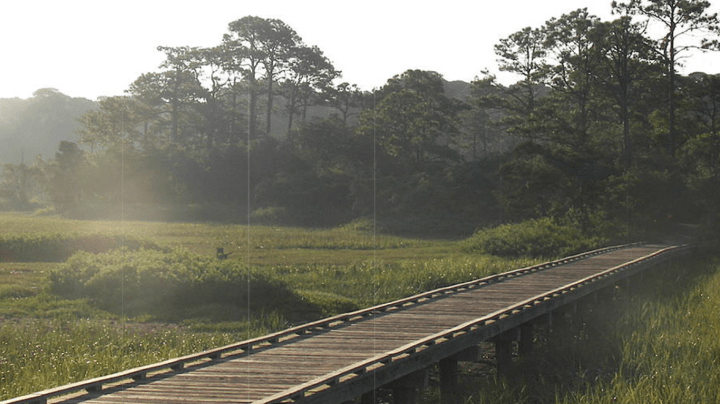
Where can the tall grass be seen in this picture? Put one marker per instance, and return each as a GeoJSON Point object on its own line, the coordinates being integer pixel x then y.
{"type": "Point", "coordinates": [672, 355]}
{"type": "Point", "coordinates": [263, 245]}
{"type": "Point", "coordinates": [369, 282]}
{"type": "Point", "coordinates": [37, 354]}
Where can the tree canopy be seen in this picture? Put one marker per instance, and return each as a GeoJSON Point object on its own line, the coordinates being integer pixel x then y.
{"type": "Point", "coordinates": [599, 129]}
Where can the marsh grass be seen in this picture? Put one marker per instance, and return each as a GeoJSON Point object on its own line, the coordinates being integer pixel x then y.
{"type": "Point", "coordinates": [37, 354]}
{"type": "Point", "coordinates": [50, 337]}
{"type": "Point", "coordinates": [257, 245]}
{"type": "Point", "coordinates": [374, 282]}
{"type": "Point", "coordinates": [21, 279]}
{"type": "Point", "coordinates": [657, 344]}
{"type": "Point", "coordinates": [57, 247]}
{"type": "Point", "coordinates": [670, 345]}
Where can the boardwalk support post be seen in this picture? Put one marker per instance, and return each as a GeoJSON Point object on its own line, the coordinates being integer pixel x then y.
{"type": "Point", "coordinates": [526, 339]}
{"type": "Point", "coordinates": [368, 398]}
{"type": "Point", "coordinates": [503, 356]}
{"type": "Point", "coordinates": [406, 390]}
{"type": "Point", "coordinates": [448, 380]}
{"type": "Point", "coordinates": [559, 320]}
{"type": "Point", "coordinates": [503, 349]}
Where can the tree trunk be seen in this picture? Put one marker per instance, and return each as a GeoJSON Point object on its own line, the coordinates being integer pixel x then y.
{"type": "Point", "coordinates": [671, 118]}
{"type": "Point", "coordinates": [232, 114]}
{"type": "Point", "coordinates": [291, 109]}
{"type": "Point", "coordinates": [625, 109]}
{"type": "Point", "coordinates": [671, 90]}
{"type": "Point", "coordinates": [252, 109]}
{"type": "Point", "coordinates": [268, 117]}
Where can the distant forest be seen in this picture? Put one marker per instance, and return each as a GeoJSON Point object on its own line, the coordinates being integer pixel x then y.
{"type": "Point", "coordinates": [600, 131]}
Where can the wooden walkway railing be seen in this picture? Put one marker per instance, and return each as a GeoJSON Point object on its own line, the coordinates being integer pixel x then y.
{"type": "Point", "coordinates": [339, 358]}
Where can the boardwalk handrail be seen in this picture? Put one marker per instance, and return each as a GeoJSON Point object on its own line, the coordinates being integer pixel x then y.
{"type": "Point", "coordinates": [179, 363]}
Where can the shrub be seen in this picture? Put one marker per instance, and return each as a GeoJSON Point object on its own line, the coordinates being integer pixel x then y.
{"type": "Point", "coordinates": [57, 247]}
{"type": "Point", "coordinates": [533, 238]}
{"type": "Point", "coordinates": [167, 283]}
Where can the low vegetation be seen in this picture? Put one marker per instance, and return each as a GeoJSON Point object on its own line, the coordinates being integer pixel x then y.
{"type": "Point", "coordinates": [101, 311]}
{"type": "Point", "coordinates": [40, 353]}
{"type": "Point", "coordinates": [169, 285]}
{"type": "Point", "coordinates": [169, 294]}
{"type": "Point", "coordinates": [533, 238]}
{"type": "Point", "coordinates": [57, 247]}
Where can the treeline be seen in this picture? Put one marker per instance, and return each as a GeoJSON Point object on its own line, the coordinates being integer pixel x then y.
{"type": "Point", "coordinates": [36, 125]}
{"type": "Point", "coordinates": [600, 130]}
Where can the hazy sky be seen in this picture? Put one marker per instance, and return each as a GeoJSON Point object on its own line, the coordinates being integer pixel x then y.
{"type": "Point", "coordinates": [91, 48]}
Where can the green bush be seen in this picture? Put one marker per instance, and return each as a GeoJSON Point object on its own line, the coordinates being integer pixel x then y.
{"type": "Point", "coordinates": [57, 247]}
{"type": "Point", "coordinates": [533, 238]}
{"type": "Point", "coordinates": [167, 283]}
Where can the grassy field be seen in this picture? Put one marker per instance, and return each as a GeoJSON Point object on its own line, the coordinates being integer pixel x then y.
{"type": "Point", "coordinates": [655, 343]}
{"type": "Point", "coordinates": [49, 339]}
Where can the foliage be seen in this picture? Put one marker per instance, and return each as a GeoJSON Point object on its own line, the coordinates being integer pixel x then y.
{"type": "Point", "coordinates": [596, 101]}
{"type": "Point", "coordinates": [533, 238]}
{"type": "Point", "coordinates": [57, 247]}
{"type": "Point", "coordinates": [314, 184]}
{"type": "Point", "coordinates": [37, 354]}
{"type": "Point", "coordinates": [700, 158]}
{"type": "Point", "coordinates": [679, 19]}
{"type": "Point", "coordinates": [168, 283]}
{"type": "Point", "coordinates": [412, 123]}
{"type": "Point", "coordinates": [523, 53]}
{"type": "Point", "coordinates": [589, 111]}
{"type": "Point", "coordinates": [329, 303]}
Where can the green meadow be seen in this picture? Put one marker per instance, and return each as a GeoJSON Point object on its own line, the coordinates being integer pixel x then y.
{"type": "Point", "coordinates": [80, 299]}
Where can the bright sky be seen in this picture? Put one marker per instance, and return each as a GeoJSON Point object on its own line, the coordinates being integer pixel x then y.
{"type": "Point", "coordinates": [91, 48]}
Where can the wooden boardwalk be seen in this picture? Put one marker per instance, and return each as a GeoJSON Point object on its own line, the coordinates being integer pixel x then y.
{"type": "Point", "coordinates": [340, 358]}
